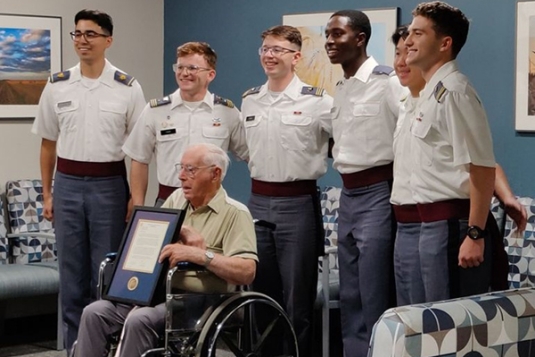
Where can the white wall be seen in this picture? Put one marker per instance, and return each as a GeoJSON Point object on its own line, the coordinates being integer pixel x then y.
{"type": "Point", "coordinates": [137, 49]}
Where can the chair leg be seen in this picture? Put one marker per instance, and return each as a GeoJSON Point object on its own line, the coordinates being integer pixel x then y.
{"type": "Point", "coordinates": [325, 308]}
{"type": "Point", "coordinates": [59, 344]}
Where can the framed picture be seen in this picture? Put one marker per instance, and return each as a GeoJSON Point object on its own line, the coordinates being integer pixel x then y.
{"type": "Point", "coordinates": [138, 276]}
{"type": "Point", "coordinates": [315, 68]}
{"type": "Point", "coordinates": [525, 67]}
{"type": "Point", "coordinates": [30, 51]}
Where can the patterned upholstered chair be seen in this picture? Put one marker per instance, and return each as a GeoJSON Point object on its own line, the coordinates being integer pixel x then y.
{"type": "Point", "coordinates": [521, 248]}
{"type": "Point", "coordinates": [31, 234]}
{"type": "Point", "coordinates": [4, 246]}
{"type": "Point", "coordinates": [328, 294]}
{"type": "Point", "coordinates": [499, 324]}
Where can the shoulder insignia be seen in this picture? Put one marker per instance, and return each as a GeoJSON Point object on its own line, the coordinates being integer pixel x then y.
{"type": "Point", "coordinates": [60, 76]}
{"type": "Point", "coordinates": [404, 99]}
{"type": "Point", "coordinates": [339, 82]}
{"type": "Point", "coordinates": [439, 92]}
{"type": "Point", "coordinates": [253, 90]}
{"type": "Point", "coordinates": [159, 102]}
{"type": "Point", "coordinates": [123, 78]}
{"type": "Point", "coordinates": [318, 92]}
{"type": "Point", "coordinates": [223, 101]}
{"type": "Point", "coordinates": [382, 69]}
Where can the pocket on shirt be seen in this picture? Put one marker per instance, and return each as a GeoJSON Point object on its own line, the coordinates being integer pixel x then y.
{"type": "Point", "coordinates": [67, 112]}
{"type": "Point", "coordinates": [366, 110]}
{"type": "Point", "coordinates": [112, 116]}
{"type": "Point", "coordinates": [296, 131]}
{"type": "Point", "coordinates": [216, 135]}
{"type": "Point", "coordinates": [420, 129]}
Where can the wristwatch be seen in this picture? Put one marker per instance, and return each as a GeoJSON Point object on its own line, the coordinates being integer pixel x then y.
{"type": "Point", "coordinates": [474, 232]}
{"type": "Point", "coordinates": [208, 258]}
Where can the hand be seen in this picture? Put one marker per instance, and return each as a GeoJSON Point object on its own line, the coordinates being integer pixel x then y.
{"type": "Point", "coordinates": [517, 212]}
{"type": "Point", "coordinates": [129, 209]}
{"type": "Point", "coordinates": [189, 236]}
{"type": "Point", "coordinates": [176, 252]}
{"type": "Point", "coordinates": [48, 209]}
{"type": "Point", "coordinates": [471, 252]}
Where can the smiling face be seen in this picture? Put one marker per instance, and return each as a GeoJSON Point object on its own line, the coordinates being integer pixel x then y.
{"type": "Point", "coordinates": [409, 77]}
{"type": "Point", "coordinates": [93, 50]}
{"type": "Point", "coordinates": [341, 41]}
{"type": "Point", "coordinates": [279, 66]}
{"type": "Point", "coordinates": [193, 86]}
{"type": "Point", "coordinates": [426, 49]}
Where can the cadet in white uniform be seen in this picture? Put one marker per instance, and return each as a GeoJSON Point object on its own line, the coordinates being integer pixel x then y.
{"type": "Point", "coordinates": [366, 107]}
{"type": "Point", "coordinates": [453, 161]}
{"type": "Point", "coordinates": [88, 111]}
{"type": "Point", "coordinates": [287, 127]}
{"type": "Point", "coordinates": [190, 115]}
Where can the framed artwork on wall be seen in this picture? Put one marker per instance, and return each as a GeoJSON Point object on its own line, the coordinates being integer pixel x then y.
{"type": "Point", "coordinates": [315, 67]}
{"type": "Point", "coordinates": [525, 67]}
{"type": "Point", "coordinates": [30, 50]}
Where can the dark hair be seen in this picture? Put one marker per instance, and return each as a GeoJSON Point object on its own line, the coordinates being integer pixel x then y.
{"type": "Point", "coordinates": [447, 21]}
{"type": "Point", "coordinates": [199, 48]}
{"type": "Point", "coordinates": [400, 33]}
{"type": "Point", "coordinates": [100, 18]}
{"type": "Point", "coordinates": [289, 33]}
{"type": "Point", "coordinates": [358, 21]}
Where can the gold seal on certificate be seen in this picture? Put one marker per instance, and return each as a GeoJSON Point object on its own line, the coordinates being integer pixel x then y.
{"type": "Point", "coordinates": [132, 283]}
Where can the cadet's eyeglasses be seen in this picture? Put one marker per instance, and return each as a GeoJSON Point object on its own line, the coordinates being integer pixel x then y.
{"type": "Point", "coordinates": [189, 69]}
{"type": "Point", "coordinates": [191, 170]}
{"type": "Point", "coordinates": [275, 50]}
{"type": "Point", "coordinates": [88, 35]}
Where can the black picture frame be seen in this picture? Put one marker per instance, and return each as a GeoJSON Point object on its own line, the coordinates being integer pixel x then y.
{"type": "Point", "coordinates": [136, 278]}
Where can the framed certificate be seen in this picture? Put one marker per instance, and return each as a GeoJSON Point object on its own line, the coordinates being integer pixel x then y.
{"type": "Point", "coordinates": [137, 275]}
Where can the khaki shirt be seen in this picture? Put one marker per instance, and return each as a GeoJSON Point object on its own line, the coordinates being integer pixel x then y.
{"type": "Point", "coordinates": [227, 228]}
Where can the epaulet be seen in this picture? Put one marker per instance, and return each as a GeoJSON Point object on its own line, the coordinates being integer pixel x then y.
{"type": "Point", "coordinates": [159, 102]}
{"type": "Point", "coordinates": [253, 90]}
{"type": "Point", "coordinates": [223, 101]}
{"type": "Point", "coordinates": [318, 92]}
{"type": "Point", "coordinates": [382, 69]}
{"type": "Point", "coordinates": [124, 78]}
{"type": "Point", "coordinates": [404, 99]}
{"type": "Point", "coordinates": [60, 76]}
{"type": "Point", "coordinates": [339, 82]}
{"type": "Point", "coordinates": [439, 92]}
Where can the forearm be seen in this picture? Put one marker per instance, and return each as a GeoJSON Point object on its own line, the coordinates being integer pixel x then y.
{"type": "Point", "coordinates": [482, 181]}
{"type": "Point", "coordinates": [47, 163]}
{"type": "Point", "coordinates": [139, 180]}
{"type": "Point", "coordinates": [502, 190]}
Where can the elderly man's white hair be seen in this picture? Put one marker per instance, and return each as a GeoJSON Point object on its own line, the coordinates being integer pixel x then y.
{"type": "Point", "coordinates": [214, 156]}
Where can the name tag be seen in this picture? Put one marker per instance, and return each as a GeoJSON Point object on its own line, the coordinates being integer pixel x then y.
{"type": "Point", "coordinates": [168, 131]}
{"type": "Point", "coordinates": [64, 104]}
{"type": "Point", "coordinates": [249, 118]}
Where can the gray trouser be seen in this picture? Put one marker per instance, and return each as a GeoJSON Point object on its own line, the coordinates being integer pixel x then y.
{"type": "Point", "coordinates": [288, 262]}
{"type": "Point", "coordinates": [365, 244]}
{"type": "Point", "coordinates": [443, 278]}
{"type": "Point", "coordinates": [409, 283]}
{"type": "Point", "coordinates": [103, 318]}
{"type": "Point", "coordinates": [89, 220]}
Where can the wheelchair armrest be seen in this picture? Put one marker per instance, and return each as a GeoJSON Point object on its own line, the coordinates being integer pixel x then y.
{"type": "Point", "coordinates": [187, 266]}
{"type": "Point", "coordinates": [31, 234]}
{"type": "Point", "coordinates": [110, 257]}
{"type": "Point", "coordinates": [265, 224]}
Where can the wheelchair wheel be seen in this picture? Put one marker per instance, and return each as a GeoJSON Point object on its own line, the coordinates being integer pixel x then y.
{"type": "Point", "coordinates": [233, 329]}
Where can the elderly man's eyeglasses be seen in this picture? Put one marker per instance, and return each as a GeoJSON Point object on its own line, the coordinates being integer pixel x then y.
{"type": "Point", "coordinates": [190, 170]}
{"type": "Point", "coordinates": [189, 69]}
{"type": "Point", "coordinates": [276, 51]}
{"type": "Point", "coordinates": [88, 35]}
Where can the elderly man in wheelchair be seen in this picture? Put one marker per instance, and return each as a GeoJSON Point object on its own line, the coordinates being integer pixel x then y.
{"type": "Point", "coordinates": [217, 233]}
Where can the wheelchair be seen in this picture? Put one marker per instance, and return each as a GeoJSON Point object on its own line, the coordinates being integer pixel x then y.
{"type": "Point", "coordinates": [217, 325]}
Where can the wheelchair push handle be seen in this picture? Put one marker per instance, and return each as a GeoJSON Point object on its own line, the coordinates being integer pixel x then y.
{"type": "Point", "coordinates": [261, 223]}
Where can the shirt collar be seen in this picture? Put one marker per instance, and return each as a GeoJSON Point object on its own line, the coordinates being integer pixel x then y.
{"type": "Point", "coordinates": [444, 71]}
{"type": "Point", "coordinates": [292, 90]}
{"type": "Point", "coordinates": [177, 100]}
{"type": "Point", "coordinates": [365, 70]}
{"type": "Point", "coordinates": [216, 203]}
{"type": "Point", "coordinates": [106, 77]}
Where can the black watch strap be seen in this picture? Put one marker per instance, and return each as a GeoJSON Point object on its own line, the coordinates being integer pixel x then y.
{"type": "Point", "coordinates": [475, 232]}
